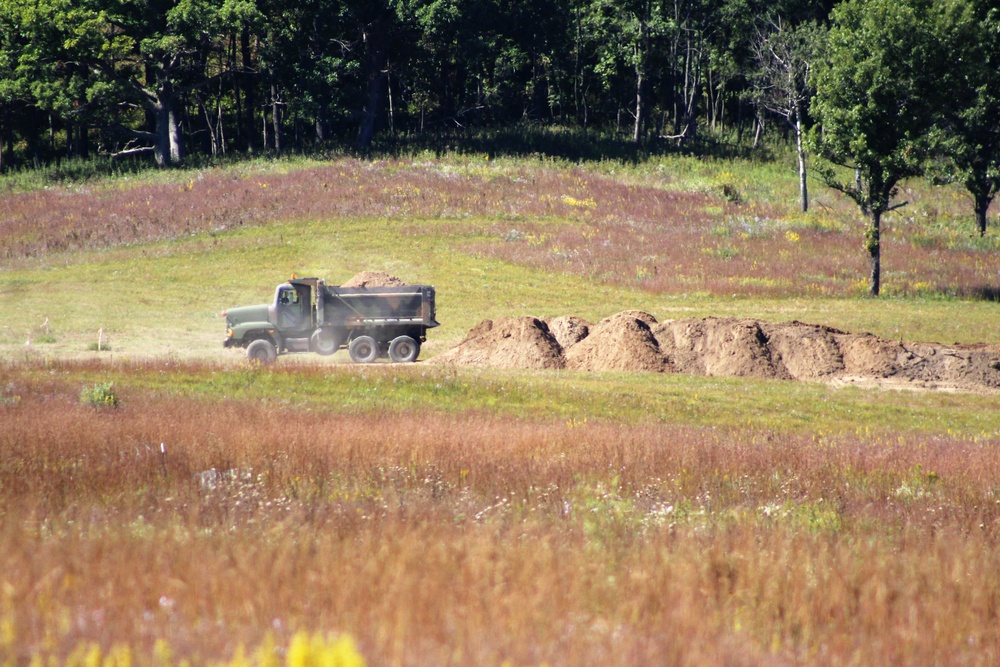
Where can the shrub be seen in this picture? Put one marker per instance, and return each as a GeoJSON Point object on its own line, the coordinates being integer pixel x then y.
{"type": "Point", "coordinates": [101, 395]}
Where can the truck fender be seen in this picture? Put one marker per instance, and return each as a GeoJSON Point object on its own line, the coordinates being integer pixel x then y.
{"type": "Point", "coordinates": [247, 332]}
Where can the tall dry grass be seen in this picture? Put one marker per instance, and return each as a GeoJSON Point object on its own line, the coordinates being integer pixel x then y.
{"type": "Point", "coordinates": [476, 539]}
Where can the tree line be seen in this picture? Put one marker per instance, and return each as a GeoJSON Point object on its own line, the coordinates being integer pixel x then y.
{"type": "Point", "coordinates": [879, 90]}
{"type": "Point", "coordinates": [170, 77]}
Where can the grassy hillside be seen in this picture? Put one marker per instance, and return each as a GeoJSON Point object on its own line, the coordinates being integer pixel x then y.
{"type": "Point", "coordinates": [152, 262]}
{"type": "Point", "coordinates": [163, 502]}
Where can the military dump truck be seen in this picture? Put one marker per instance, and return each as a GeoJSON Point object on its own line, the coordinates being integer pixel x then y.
{"type": "Point", "coordinates": [308, 315]}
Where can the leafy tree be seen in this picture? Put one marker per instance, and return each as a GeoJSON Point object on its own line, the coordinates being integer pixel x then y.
{"type": "Point", "coordinates": [877, 100]}
{"type": "Point", "coordinates": [304, 60]}
{"type": "Point", "coordinates": [171, 41]}
{"type": "Point", "coordinates": [971, 115]}
{"type": "Point", "coordinates": [107, 58]}
{"type": "Point", "coordinates": [45, 46]}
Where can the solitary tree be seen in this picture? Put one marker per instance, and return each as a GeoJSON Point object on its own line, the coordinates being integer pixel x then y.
{"type": "Point", "coordinates": [877, 100]}
{"type": "Point", "coordinates": [781, 84]}
{"type": "Point", "coordinates": [971, 117]}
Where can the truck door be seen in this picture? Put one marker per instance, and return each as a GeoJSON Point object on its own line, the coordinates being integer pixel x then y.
{"type": "Point", "coordinates": [294, 307]}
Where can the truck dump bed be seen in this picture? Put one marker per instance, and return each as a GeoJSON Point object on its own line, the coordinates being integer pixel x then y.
{"type": "Point", "coordinates": [407, 305]}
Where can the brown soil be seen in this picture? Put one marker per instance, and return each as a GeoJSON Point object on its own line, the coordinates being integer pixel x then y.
{"type": "Point", "coordinates": [634, 341]}
{"type": "Point", "coordinates": [374, 279]}
{"type": "Point", "coordinates": [718, 346]}
{"type": "Point", "coordinates": [806, 351]}
{"type": "Point", "coordinates": [514, 342]}
{"type": "Point", "coordinates": [622, 342]}
{"type": "Point", "coordinates": [569, 330]}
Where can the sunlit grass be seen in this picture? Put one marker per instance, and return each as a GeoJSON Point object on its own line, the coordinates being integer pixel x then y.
{"type": "Point", "coordinates": [224, 507]}
{"type": "Point", "coordinates": [625, 398]}
{"type": "Point", "coordinates": [469, 516]}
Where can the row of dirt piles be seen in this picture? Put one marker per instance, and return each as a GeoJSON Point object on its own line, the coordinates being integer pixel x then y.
{"type": "Point", "coordinates": [635, 341]}
{"type": "Point", "coordinates": [374, 279]}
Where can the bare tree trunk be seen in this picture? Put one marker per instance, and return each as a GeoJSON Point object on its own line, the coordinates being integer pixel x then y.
{"type": "Point", "coordinates": [982, 206]}
{"type": "Point", "coordinates": [222, 126]}
{"type": "Point", "coordinates": [213, 139]}
{"type": "Point", "coordinates": [246, 78]}
{"type": "Point", "coordinates": [639, 106]}
{"type": "Point", "coordinates": [874, 247]}
{"type": "Point", "coordinates": [161, 148]}
{"type": "Point", "coordinates": [174, 135]}
{"type": "Point", "coordinates": [375, 68]}
{"type": "Point", "coordinates": [388, 83]}
{"type": "Point", "coordinates": [577, 71]}
{"type": "Point", "coordinates": [276, 117]}
{"type": "Point", "coordinates": [640, 81]}
{"type": "Point", "coordinates": [803, 186]}
{"type": "Point", "coordinates": [83, 141]}
{"type": "Point", "coordinates": [692, 88]}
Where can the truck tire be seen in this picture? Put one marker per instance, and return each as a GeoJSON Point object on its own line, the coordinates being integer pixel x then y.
{"type": "Point", "coordinates": [403, 350]}
{"type": "Point", "coordinates": [363, 350]}
{"type": "Point", "coordinates": [262, 351]}
{"type": "Point", "coordinates": [324, 342]}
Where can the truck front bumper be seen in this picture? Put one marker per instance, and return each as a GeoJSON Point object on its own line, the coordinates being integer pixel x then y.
{"type": "Point", "coordinates": [229, 342]}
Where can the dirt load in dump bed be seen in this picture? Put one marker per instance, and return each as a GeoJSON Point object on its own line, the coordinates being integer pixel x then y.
{"type": "Point", "coordinates": [734, 347]}
{"type": "Point", "coordinates": [374, 279]}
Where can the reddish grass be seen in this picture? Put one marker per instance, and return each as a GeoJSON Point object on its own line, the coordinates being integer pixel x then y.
{"type": "Point", "coordinates": [749, 249]}
{"type": "Point", "coordinates": [39, 222]}
{"type": "Point", "coordinates": [473, 539]}
{"type": "Point", "coordinates": [644, 235]}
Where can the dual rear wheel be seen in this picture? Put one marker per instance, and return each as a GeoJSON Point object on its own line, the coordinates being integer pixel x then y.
{"type": "Point", "coordinates": [402, 349]}
{"type": "Point", "coordinates": [363, 349]}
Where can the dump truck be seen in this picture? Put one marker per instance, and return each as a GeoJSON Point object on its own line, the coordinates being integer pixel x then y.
{"type": "Point", "coordinates": [308, 315]}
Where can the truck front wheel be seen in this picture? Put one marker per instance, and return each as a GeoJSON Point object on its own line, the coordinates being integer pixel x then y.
{"type": "Point", "coordinates": [403, 350]}
{"type": "Point", "coordinates": [363, 350]}
{"type": "Point", "coordinates": [262, 351]}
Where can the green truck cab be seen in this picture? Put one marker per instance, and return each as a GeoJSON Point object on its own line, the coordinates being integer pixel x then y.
{"type": "Point", "coordinates": [307, 315]}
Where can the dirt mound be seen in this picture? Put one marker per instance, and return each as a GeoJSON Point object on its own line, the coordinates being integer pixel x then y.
{"type": "Point", "coordinates": [640, 315]}
{"type": "Point", "coordinates": [633, 341]}
{"type": "Point", "coordinates": [958, 366]}
{"type": "Point", "coordinates": [374, 279]}
{"type": "Point", "coordinates": [569, 330]}
{"type": "Point", "coordinates": [515, 342]}
{"type": "Point", "coordinates": [866, 355]}
{"type": "Point", "coordinates": [806, 351]}
{"type": "Point", "coordinates": [718, 346]}
{"type": "Point", "coordinates": [622, 342]}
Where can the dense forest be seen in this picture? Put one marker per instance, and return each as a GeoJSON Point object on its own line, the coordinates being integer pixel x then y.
{"type": "Point", "coordinates": [877, 90]}
{"type": "Point", "coordinates": [170, 77]}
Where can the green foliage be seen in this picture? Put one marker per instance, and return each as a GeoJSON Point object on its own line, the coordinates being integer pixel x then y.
{"type": "Point", "coordinates": [877, 98]}
{"type": "Point", "coordinates": [100, 395]}
{"type": "Point", "coordinates": [970, 120]}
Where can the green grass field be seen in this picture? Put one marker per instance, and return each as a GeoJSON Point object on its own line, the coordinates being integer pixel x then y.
{"type": "Point", "coordinates": [429, 515]}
